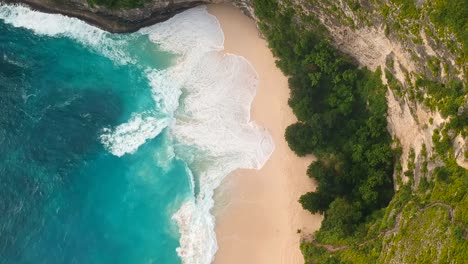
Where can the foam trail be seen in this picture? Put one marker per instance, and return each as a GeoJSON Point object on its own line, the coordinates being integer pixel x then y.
{"type": "Point", "coordinates": [205, 99]}
{"type": "Point", "coordinates": [165, 94]}
{"type": "Point", "coordinates": [54, 25]}
{"type": "Point", "coordinates": [213, 115]}
{"type": "Point", "coordinates": [127, 137]}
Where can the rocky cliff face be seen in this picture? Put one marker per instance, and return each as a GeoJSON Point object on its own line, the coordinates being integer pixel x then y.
{"type": "Point", "coordinates": [427, 117]}
{"type": "Point", "coordinates": [116, 20]}
{"type": "Point", "coordinates": [377, 35]}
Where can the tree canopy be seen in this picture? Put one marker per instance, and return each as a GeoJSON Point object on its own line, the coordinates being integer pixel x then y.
{"type": "Point", "coordinates": [341, 112]}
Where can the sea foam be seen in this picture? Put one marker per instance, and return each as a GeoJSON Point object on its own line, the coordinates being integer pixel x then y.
{"type": "Point", "coordinates": [127, 137]}
{"type": "Point", "coordinates": [203, 100]}
{"type": "Point", "coordinates": [54, 25]}
{"type": "Point", "coordinates": [213, 114]}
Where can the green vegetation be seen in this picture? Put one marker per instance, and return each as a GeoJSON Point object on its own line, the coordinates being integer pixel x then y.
{"type": "Point", "coordinates": [448, 99]}
{"type": "Point", "coordinates": [444, 98]}
{"type": "Point", "coordinates": [334, 7]}
{"type": "Point", "coordinates": [342, 120]}
{"type": "Point", "coordinates": [118, 4]}
{"type": "Point", "coordinates": [341, 113]}
{"type": "Point", "coordinates": [442, 23]}
{"type": "Point", "coordinates": [447, 16]}
{"type": "Point", "coordinates": [452, 15]}
{"type": "Point", "coordinates": [428, 225]}
{"type": "Point", "coordinates": [434, 65]}
{"type": "Point", "coordinates": [425, 226]}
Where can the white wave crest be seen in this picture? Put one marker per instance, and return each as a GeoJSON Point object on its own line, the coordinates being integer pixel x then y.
{"type": "Point", "coordinates": [54, 25]}
{"type": "Point", "coordinates": [209, 94]}
{"type": "Point", "coordinates": [217, 90]}
{"type": "Point", "coordinates": [127, 137]}
{"type": "Point", "coordinates": [165, 94]}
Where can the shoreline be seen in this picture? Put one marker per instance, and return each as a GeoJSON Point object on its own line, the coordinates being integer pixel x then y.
{"type": "Point", "coordinates": [257, 211]}
{"type": "Point", "coordinates": [123, 21]}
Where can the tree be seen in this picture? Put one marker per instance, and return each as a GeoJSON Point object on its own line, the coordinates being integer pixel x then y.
{"type": "Point", "coordinates": [301, 138]}
{"type": "Point", "coordinates": [342, 217]}
{"type": "Point", "coordinates": [316, 202]}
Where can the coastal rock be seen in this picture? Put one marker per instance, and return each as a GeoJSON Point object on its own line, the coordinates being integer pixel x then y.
{"type": "Point", "coordinates": [116, 20]}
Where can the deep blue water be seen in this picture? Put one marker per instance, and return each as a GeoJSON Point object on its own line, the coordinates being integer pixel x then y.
{"type": "Point", "coordinates": [64, 198]}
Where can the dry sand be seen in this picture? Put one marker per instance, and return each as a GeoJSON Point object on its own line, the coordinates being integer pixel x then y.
{"type": "Point", "coordinates": [257, 211]}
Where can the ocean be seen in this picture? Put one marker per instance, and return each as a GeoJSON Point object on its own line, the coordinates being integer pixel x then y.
{"type": "Point", "coordinates": [111, 145]}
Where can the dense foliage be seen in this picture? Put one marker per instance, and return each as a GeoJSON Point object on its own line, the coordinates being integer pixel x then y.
{"type": "Point", "coordinates": [341, 112]}
{"type": "Point", "coordinates": [342, 120]}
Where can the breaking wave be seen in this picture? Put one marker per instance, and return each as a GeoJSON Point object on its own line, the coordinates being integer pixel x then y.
{"type": "Point", "coordinates": [127, 137]}
{"type": "Point", "coordinates": [203, 100]}
{"type": "Point", "coordinates": [213, 115]}
{"type": "Point", "coordinates": [53, 25]}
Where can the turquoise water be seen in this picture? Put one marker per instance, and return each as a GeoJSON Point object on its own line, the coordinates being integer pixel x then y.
{"type": "Point", "coordinates": [64, 197]}
{"type": "Point", "coordinates": [111, 146]}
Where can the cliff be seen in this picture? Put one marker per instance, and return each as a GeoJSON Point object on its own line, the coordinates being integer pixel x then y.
{"type": "Point", "coordinates": [408, 47]}
{"type": "Point", "coordinates": [115, 19]}
{"type": "Point", "coordinates": [421, 49]}
{"type": "Point", "coordinates": [376, 34]}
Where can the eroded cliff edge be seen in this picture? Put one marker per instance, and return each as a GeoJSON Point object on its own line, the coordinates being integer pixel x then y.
{"type": "Point", "coordinates": [115, 20]}
{"type": "Point", "coordinates": [420, 51]}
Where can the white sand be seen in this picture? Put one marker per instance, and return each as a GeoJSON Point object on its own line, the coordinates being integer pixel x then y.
{"type": "Point", "coordinates": [257, 211]}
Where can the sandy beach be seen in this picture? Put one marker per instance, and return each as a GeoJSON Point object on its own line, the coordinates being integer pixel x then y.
{"type": "Point", "coordinates": [258, 216]}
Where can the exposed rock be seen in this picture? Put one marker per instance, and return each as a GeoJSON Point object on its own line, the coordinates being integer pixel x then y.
{"type": "Point", "coordinates": [461, 147]}
{"type": "Point", "coordinates": [247, 8]}
{"type": "Point", "coordinates": [116, 21]}
{"type": "Point", "coordinates": [371, 44]}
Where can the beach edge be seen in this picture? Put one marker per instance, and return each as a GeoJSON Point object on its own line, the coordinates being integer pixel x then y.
{"type": "Point", "coordinates": [258, 216]}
